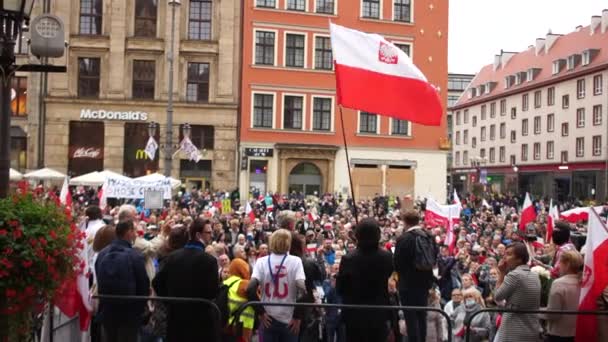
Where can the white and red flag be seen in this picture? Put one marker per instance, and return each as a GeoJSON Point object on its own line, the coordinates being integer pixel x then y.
{"type": "Point", "coordinates": [528, 213]}
{"type": "Point", "coordinates": [595, 278]}
{"type": "Point", "coordinates": [373, 75]}
{"type": "Point", "coordinates": [65, 197]}
{"type": "Point", "coordinates": [445, 216]}
{"type": "Point", "coordinates": [552, 217]}
{"type": "Point", "coordinates": [579, 214]}
{"type": "Point", "coordinates": [249, 212]}
{"type": "Point", "coordinates": [456, 198]}
{"type": "Point", "coordinates": [312, 214]}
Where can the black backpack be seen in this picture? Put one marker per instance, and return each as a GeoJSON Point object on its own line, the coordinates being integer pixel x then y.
{"type": "Point", "coordinates": [426, 251]}
{"type": "Point", "coordinates": [222, 302]}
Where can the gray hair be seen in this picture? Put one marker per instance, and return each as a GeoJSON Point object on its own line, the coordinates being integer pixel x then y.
{"type": "Point", "coordinates": [127, 212]}
{"type": "Point", "coordinates": [286, 219]}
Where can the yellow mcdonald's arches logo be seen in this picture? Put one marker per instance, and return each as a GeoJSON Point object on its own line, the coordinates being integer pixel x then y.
{"type": "Point", "coordinates": [141, 154]}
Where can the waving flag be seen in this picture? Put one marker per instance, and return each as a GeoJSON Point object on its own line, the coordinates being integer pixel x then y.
{"type": "Point", "coordinates": [551, 219]}
{"type": "Point", "coordinates": [443, 215]}
{"type": "Point", "coordinates": [528, 214]}
{"type": "Point", "coordinates": [456, 199]}
{"type": "Point", "coordinates": [375, 76]}
{"type": "Point", "coordinates": [579, 214]}
{"type": "Point", "coordinates": [151, 148]}
{"type": "Point", "coordinates": [249, 212]}
{"type": "Point", "coordinates": [65, 196]}
{"type": "Point", "coordinates": [190, 149]}
{"type": "Point", "coordinates": [595, 278]}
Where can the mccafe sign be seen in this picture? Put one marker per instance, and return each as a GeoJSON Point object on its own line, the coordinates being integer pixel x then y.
{"type": "Point", "coordinates": [101, 114]}
{"type": "Point", "coordinates": [86, 153]}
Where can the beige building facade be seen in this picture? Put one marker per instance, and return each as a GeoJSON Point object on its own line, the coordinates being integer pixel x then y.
{"type": "Point", "coordinates": [98, 113]}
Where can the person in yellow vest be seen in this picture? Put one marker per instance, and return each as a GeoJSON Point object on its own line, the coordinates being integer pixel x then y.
{"type": "Point", "coordinates": [240, 275]}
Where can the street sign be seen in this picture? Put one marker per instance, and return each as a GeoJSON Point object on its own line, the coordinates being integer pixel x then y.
{"type": "Point", "coordinates": [259, 152]}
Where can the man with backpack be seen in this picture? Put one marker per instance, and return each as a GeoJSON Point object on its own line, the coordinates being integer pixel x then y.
{"type": "Point", "coordinates": [415, 256]}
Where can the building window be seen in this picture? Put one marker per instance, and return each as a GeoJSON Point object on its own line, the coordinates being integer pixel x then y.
{"type": "Point", "coordinates": [88, 77]}
{"type": "Point", "coordinates": [513, 113]}
{"type": "Point", "coordinates": [524, 127]}
{"type": "Point", "coordinates": [403, 11]}
{"type": "Point", "coordinates": [524, 102]}
{"type": "Point", "coordinates": [513, 136]}
{"type": "Point", "coordinates": [465, 136]}
{"type": "Point", "coordinates": [538, 99]}
{"type": "Point", "coordinates": [597, 145]}
{"type": "Point", "coordinates": [321, 118]}
{"type": "Point", "coordinates": [325, 6]}
{"type": "Point", "coordinates": [263, 106]}
{"type": "Point", "coordinates": [197, 89]}
{"type": "Point", "coordinates": [537, 125]}
{"type": "Point", "coordinates": [551, 96]}
{"type": "Point", "coordinates": [474, 121]}
{"type": "Point", "coordinates": [565, 101]}
{"type": "Point", "coordinates": [402, 127]}
{"type": "Point", "coordinates": [597, 115]}
{"type": "Point", "coordinates": [199, 23]}
{"type": "Point", "coordinates": [144, 73]}
{"type": "Point", "coordinates": [512, 159]}
{"type": "Point", "coordinates": [371, 9]}
{"type": "Point", "coordinates": [503, 107]}
{"type": "Point", "coordinates": [465, 158]}
{"type": "Point", "coordinates": [145, 18]}
{"type": "Point", "coordinates": [580, 89]}
{"type": "Point", "coordinates": [550, 150]}
{"type": "Point", "coordinates": [292, 112]}
{"type": "Point", "coordinates": [536, 151]}
{"type": "Point", "coordinates": [524, 152]}
{"type": "Point", "coordinates": [452, 99]}
{"type": "Point", "coordinates": [597, 85]}
{"type": "Point", "coordinates": [564, 157]}
{"type": "Point", "coordinates": [265, 3]}
{"type": "Point", "coordinates": [466, 116]}
{"type": "Point", "coordinates": [493, 110]}
{"type": "Point", "coordinates": [457, 158]}
{"type": "Point", "coordinates": [580, 147]}
{"type": "Point", "coordinates": [368, 123]}
{"type": "Point", "coordinates": [557, 65]}
{"type": "Point", "coordinates": [492, 132]}
{"type": "Point", "coordinates": [492, 155]}
{"type": "Point", "coordinates": [19, 96]}
{"type": "Point", "coordinates": [473, 142]}
{"type": "Point", "coordinates": [296, 5]}
{"type": "Point", "coordinates": [202, 136]}
{"type": "Point", "coordinates": [264, 48]}
{"type": "Point", "coordinates": [323, 54]}
{"type": "Point", "coordinates": [483, 112]}
{"type": "Point", "coordinates": [503, 130]}
{"type": "Point", "coordinates": [550, 122]}
{"type": "Point", "coordinates": [482, 153]}
{"type": "Point", "coordinates": [407, 49]}
{"type": "Point", "coordinates": [91, 14]}
{"type": "Point", "coordinates": [483, 134]}
{"type": "Point", "coordinates": [501, 154]}
{"type": "Point", "coordinates": [458, 83]}
{"type": "Point", "coordinates": [457, 118]}
{"type": "Point", "coordinates": [457, 138]}
{"type": "Point", "coordinates": [294, 50]}
{"type": "Point", "coordinates": [580, 118]}
{"type": "Point", "coordinates": [564, 129]}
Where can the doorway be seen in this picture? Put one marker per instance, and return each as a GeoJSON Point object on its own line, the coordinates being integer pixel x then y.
{"type": "Point", "coordinates": [305, 178]}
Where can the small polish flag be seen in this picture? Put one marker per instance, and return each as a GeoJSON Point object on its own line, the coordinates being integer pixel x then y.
{"type": "Point", "coordinates": [249, 212]}
{"type": "Point", "coordinates": [103, 199]}
{"type": "Point", "coordinates": [551, 218]}
{"type": "Point", "coordinates": [312, 215]}
{"type": "Point", "coordinates": [456, 198]}
{"type": "Point", "coordinates": [528, 214]}
{"type": "Point", "coordinates": [595, 278]}
{"type": "Point", "coordinates": [65, 196]}
{"type": "Point", "coordinates": [373, 75]}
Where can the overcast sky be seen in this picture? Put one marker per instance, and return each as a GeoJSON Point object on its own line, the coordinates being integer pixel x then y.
{"type": "Point", "coordinates": [480, 28]}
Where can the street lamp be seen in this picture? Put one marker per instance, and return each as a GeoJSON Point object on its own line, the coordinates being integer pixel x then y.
{"type": "Point", "coordinates": [169, 151]}
{"type": "Point", "coordinates": [151, 129]}
{"type": "Point", "coordinates": [186, 130]}
{"type": "Point", "coordinates": [13, 14]}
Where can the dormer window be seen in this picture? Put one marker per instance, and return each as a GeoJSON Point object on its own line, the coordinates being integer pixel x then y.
{"type": "Point", "coordinates": [520, 78]}
{"type": "Point", "coordinates": [573, 61]}
{"type": "Point", "coordinates": [530, 75]}
{"type": "Point", "coordinates": [488, 87]}
{"type": "Point", "coordinates": [588, 56]}
{"type": "Point", "coordinates": [557, 66]}
{"type": "Point", "coordinates": [482, 89]}
{"type": "Point", "coordinates": [509, 81]}
{"type": "Point", "coordinates": [473, 92]}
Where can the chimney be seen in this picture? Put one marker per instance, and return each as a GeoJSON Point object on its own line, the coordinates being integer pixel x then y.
{"type": "Point", "coordinates": [540, 44]}
{"type": "Point", "coordinates": [596, 20]}
{"type": "Point", "coordinates": [604, 21]}
{"type": "Point", "coordinates": [505, 57]}
{"type": "Point", "coordinates": [496, 62]}
{"type": "Point", "coordinates": [550, 40]}
{"type": "Point", "coordinates": [578, 28]}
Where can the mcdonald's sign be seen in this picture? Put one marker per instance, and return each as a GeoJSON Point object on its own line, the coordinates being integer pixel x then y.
{"type": "Point", "coordinates": [141, 155]}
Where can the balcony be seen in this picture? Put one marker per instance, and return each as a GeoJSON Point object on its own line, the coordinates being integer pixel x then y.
{"type": "Point", "coordinates": [445, 144]}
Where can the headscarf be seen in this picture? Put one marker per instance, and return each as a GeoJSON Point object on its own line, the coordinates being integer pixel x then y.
{"type": "Point", "coordinates": [240, 268]}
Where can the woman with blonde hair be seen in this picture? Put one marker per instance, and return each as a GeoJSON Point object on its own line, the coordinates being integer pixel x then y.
{"type": "Point", "coordinates": [481, 323]}
{"type": "Point", "coordinates": [564, 295]}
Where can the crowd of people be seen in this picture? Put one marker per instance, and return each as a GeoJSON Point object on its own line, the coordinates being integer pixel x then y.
{"type": "Point", "coordinates": [285, 249]}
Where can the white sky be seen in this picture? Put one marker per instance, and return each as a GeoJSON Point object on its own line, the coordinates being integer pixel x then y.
{"type": "Point", "coordinates": [480, 28]}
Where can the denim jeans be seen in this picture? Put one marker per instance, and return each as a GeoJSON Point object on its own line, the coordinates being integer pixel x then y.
{"type": "Point", "coordinates": [278, 332]}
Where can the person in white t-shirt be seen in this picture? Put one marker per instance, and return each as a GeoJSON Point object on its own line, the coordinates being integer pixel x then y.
{"type": "Point", "coordinates": [281, 279]}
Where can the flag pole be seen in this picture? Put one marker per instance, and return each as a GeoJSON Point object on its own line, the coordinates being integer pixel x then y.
{"type": "Point", "coordinates": [350, 176]}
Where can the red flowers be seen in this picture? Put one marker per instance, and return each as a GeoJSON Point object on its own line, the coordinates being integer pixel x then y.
{"type": "Point", "coordinates": [17, 233]}
{"type": "Point", "coordinates": [27, 263]}
{"type": "Point", "coordinates": [13, 223]}
{"type": "Point", "coordinates": [10, 293]}
{"type": "Point", "coordinates": [3, 232]}
{"type": "Point", "coordinates": [6, 263]}
{"type": "Point", "coordinates": [53, 234]}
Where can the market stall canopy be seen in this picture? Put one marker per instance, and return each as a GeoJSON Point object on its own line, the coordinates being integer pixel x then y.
{"type": "Point", "coordinates": [44, 174]}
{"type": "Point", "coordinates": [157, 176]}
{"type": "Point", "coordinates": [95, 178]}
{"type": "Point", "coordinates": [15, 175]}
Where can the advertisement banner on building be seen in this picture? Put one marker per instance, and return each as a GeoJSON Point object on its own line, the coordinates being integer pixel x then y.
{"type": "Point", "coordinates": [135, 189]}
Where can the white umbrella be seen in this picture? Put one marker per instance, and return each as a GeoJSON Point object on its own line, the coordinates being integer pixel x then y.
{"type": "Point", "coordinates": [15, 175]}
{"type": "Point", "coordinates": [107, 173]}
{"type": "Point", "coordinates": [44, 174]}
{"type": "Point", "coordinates": [95, 178]}
{"type": "Point", "coordinates": [175, 183]}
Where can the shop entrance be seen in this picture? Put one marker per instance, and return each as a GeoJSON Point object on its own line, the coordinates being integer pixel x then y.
{"type": "Point", "coordinates": [305, 178]}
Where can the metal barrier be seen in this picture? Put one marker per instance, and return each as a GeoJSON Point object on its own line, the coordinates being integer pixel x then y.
{"type": "Point", "coordinates": [467, 322]}
{"type": "Point", "coordinates": [244, 306]}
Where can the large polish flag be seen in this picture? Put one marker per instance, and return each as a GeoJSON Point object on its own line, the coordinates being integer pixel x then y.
{"type": "Point", "coordinates": [579, 214]}
{"type": "Point", "coordinates": [443, 215]}
{"type": "Point", "coordinates": [595, 278]}
{"type": "Point", "coordinates": [373, 75]}
{"type": "Point", "coordinates": [528, 214]}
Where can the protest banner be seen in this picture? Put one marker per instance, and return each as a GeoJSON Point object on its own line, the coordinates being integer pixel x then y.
{"type": "Point", "coordinates": [135, 189]}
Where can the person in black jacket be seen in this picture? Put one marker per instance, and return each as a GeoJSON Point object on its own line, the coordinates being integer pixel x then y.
{"type": "Point", "coordinates": [190, 272]}
{"type": "Point", "coordinates": [121, 270]}
{"type": "Point", "coordinates": [363, 279]}
{"type": "Point", "coordinates": [414, 284]}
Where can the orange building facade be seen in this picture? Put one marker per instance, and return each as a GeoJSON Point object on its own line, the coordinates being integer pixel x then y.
{"type": "Point", "coordinates": [290, 127]}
